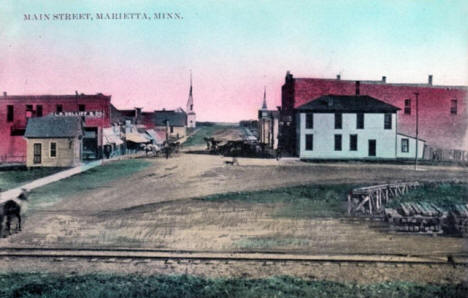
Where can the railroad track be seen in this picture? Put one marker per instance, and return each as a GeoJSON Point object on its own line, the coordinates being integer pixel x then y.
{"type": "Point", "coordinates": [148, 254]}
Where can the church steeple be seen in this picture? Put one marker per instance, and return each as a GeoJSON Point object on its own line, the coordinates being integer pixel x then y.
{"type": "Point", "coordinates": [264, 106]}
{"type": "Point", "coordinates": [191, 117]}
{"type": "Point", "coordinates": [190, 98]}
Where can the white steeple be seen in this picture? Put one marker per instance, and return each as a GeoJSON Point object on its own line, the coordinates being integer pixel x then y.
{"type": "Point", "coordinates": [191, 117]}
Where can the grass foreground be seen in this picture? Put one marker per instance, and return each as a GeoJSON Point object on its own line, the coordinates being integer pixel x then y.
{"type": "Point", "coordinates": [304, 201]}
{"type": "Point", "coordinates": [15, 178]}
{"type": "Point", "coordinates": [89, 180]}
{"type": "Point", "coordinates": [102, 285]}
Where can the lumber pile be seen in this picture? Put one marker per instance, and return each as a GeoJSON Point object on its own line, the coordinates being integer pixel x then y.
{"type": "Point", "coordinates": [422, 217]}
{"type": "Point", "coordinates": [459, 219]}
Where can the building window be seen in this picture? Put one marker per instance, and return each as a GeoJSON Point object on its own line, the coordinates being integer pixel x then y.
{"type": "Point", "coordinates": [309, 121]}
{"type": "Point", "coordinates": [338, 121]}
{"type": "Point", "coordinates": [59, 108]}
{"type": "Point", "coordinates": [453, 106]}
{"type": "Point", "coordinates": [353, 142]}
{"type": "Point", "coordinates": [360, 121]}
{"type": "Point", "coordinates": [388, 121]}
{"type": "Point", "coordinates": [37, 153]}
{"type": "Point", "coordinates": [172, 128]}
{"type": "Point", "coordinates": [309, 142]}
{"type": "Point", "coordinates": [10, 113]}
{"type": "Point", "coordinates": [29, 111]}
{"type": "Point", "coordinates": [407, 106]}
{"type": "Point", "coordinates": [53, 149]}
{"type": "Point", "coordinates": [81, 108]}
{"type": "Point", "coordinates": [39, 111]}
{"type": "Point", "coordinates": [337, 142]}
{"type": "Point", "coordinates": [404, 145]}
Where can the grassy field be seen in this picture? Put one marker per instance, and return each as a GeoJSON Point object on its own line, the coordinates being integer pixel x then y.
{"type": "Point", "coordinates": [443, 194]}
{"type": "Point", "coordinates": [43, 285]}
{"type": "Point", "coordinates": [92, 179]}
{"type": "Point", "coordinates": [305, 201]}
{"type": "Point", "coordinates": [12, 179]}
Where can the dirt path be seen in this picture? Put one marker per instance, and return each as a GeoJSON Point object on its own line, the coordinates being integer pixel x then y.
{"type": "Point", "coordinates": [192, 175]}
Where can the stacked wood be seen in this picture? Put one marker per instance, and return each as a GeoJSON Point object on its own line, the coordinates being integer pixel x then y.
{"type": "Point", "coordinates": [459, 219]}
{"type": "Point", "coordinates": [420, 217]}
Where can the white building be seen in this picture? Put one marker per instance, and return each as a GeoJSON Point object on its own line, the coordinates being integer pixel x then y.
{"type": "Point", "coordinates": [351, 127]}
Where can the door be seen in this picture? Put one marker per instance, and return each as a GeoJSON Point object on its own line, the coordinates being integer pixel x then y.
{"type": "Point", "coordinates": [372, 147]}
{"type": "Point", "coordinates": [37, 153]}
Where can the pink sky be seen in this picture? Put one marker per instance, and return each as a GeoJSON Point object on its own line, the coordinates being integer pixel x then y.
{"type": "Point", "coordinates": [234, 49]}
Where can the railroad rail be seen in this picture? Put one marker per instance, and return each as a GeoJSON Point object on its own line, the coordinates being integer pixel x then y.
{"type": "Point", "coordinates": [63, 253]}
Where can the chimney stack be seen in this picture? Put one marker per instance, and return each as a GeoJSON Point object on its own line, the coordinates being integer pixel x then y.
{"type": "Point", "coordinates": [76, 92]}
{"type": "Point", "coordinates": [338, 77]}
{"type": "Point", "coordinates": [384, 79]}
{"type": "Point", "coordinates": [358, 91]}
{"type": "Point", "coordinates": [289, 76]}
{"type": "Point", "coordinates": [4, 93]}
{"type": "Point", "coordinates": [429, 80]}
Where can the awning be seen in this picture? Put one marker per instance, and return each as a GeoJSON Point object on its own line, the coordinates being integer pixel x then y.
{"type": "Point", "coordinates": [110, 137]}
{"type": "Point", "coordinates": [136, 138]}
{"type": "Point", "coordinates": [158, 138]}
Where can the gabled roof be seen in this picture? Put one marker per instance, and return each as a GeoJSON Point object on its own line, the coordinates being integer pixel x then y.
{"type": "Point", "coordinates": [175, 118]}
{"type": "Point", "coordinates": [54, 127]}
{"type": "Point", "coordinates": [348, 103]}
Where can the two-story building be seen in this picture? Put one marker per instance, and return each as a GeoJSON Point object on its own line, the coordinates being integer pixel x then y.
{"type": "Point", "coordinates": [351, 127]}
{"type": "Point", "coordinates": [15, 110]}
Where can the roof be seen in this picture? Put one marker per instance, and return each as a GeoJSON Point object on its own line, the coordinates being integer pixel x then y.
{"type": "Point", "coordinates": [175, 118]}
{"type": "Point", "coordinates": [136, 137]}
{"type": "Point", "coordinates": [348, 103]}
{"type": "Point", "coordinates": [54, 127]}
{"type": "Point", "coordinates": [55, 97]}
{"type": "Point", "coordinates": [412, 137]}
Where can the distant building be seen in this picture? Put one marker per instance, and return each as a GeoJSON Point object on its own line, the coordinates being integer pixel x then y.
{"type": "Point", "coordinates": [54, 141]}
{"type": "Point", "coordinates": [443, 121]}
{"type": "Point", "coordinates": [191, 116]}
{"type": "Point", "coordinates": [15, 110]}
{"type": "Point", "coordinates": [351, 127]}
{"type": "Point", "coordinates": [268, 125]}
{"type": "Point", "coordinates": [174, 122]}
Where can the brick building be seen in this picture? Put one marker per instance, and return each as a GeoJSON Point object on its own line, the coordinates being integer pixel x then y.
{"type": "Point", "coordinates": [15, 110]}
{"type": "Point", "coordinates": [442, 109]}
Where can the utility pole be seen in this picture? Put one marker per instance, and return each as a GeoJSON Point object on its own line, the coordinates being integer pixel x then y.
{"type": "Point", "coordinates": [417, 130]}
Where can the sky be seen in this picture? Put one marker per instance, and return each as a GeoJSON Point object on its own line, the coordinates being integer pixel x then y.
{"type": "Point", "coordinates": [233, 48]}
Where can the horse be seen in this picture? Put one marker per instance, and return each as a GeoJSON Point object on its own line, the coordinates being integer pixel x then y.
{"type": "Point", "coordinates": [10, 209]}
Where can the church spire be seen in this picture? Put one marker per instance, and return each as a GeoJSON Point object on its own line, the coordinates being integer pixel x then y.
{"type": "Point", "coordinates": [264, 106]}
{"type": "Point", "coordinates": [190, 98]}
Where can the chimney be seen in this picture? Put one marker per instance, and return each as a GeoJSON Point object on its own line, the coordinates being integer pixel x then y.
{"type": "Point", "coordinates": [358, 91]}
{"type": "Point", "coordinates": [76, 92]}
{"type": "Point", "coordinates": [384, 79]}
{"type": "Point", "coordinates": [4, 93]}
{"type": "Point", "coordinates": [338, 77]}
{"type": "Point", "coordinates": [289, 76]}
{"type": "Point", "coordinates": [429, 79]}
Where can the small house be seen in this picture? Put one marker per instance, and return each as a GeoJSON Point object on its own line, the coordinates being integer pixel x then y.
{"type": "Point", "coordinates": [173, 122]}
{"type": "Point", "coordinates": [54, 141]}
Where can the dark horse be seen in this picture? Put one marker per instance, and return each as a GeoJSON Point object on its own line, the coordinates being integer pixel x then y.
{"type": "Point", "coordinates": [10, 209]}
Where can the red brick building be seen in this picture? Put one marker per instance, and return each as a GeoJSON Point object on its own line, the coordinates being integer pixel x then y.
{"type": "Point", "coordinates": [442, 110]}
{"type": "Point", "coordinates": [16, 109]}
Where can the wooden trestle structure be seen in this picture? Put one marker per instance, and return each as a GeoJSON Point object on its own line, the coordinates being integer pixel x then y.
{"type": "Point", "coordinates": [371, 200]}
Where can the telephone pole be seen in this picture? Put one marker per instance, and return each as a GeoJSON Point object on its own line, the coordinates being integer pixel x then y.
{"type": "Point", "coordinates": [417, 130]}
